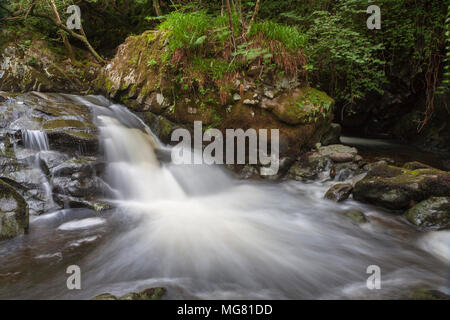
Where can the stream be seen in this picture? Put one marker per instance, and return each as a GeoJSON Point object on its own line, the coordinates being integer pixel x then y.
{"type": "Point", "coordinates": [203, 234]}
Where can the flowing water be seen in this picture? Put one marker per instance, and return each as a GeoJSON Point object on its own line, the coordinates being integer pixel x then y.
{"type": "Point", "coordinates": [202, 234]}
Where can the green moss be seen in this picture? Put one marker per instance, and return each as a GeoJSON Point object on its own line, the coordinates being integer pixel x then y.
{"type": "Point", "coordinates": [62, 123]}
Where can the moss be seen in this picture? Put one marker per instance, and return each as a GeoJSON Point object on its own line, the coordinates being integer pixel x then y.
{"type": "Point", "coordinates": [16, 224]}
{"type": "Point", "coordinates": [62, 123]}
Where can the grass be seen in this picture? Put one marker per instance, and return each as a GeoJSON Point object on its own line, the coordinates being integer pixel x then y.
{"type": "Point", "coordinates": [289, 36]}
{"type": "Point", "coordinates": [200, 50]}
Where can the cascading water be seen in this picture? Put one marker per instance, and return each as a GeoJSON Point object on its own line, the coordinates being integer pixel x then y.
{"type": "Point", "coordinates": [202, 234]}
{"type": "Point", "coordinates": [35, 140]}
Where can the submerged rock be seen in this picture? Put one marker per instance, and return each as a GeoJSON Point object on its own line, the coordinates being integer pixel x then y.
{"type": "Point", "coordinates": [339, 192]}
{"type": "Point", "coordinates": [398, 188]}
{"type": "Point", "coordinates": [431, 214]}
{"type": "Point", "coordinates": [356, 216]}
{"type": "Point", "coordinates": [13, 212]}
{"type": "Point", "coordinates": [147, 294]}
{"type": "Point", "coordinates": [428, 294]}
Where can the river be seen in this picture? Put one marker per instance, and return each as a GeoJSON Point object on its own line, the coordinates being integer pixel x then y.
{"type": "Point", "coordinates": [203, 234]}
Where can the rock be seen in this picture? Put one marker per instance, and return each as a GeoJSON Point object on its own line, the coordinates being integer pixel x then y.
{"type": "Point", "coordinates": [13, 212]}
{"type": "Point", "coordinates": [64, 139]}
{"type": "Point", "coordinates": [309, 168]}
{"type": "Point", "coordinates": [298, 106]}
{"type": "Point", "coordinates": [122, 79]}
{"type": "Point", "coordinates": [414, 165]}
{"type": "Point", "coordinates": [148, 294]}
{"type": "Point", "coordinates": [356, 216]}
{"type": "Point", "coordinates": [430, 214]}
{"type": "Point", "coordinates": [337, 152]}
{"type": "Point", "coordinates": [332, 135]}
{"type": "Point", "coordinates": [84, 166]}
{"type": "Point", "coordinates": [41, 64]}
{"type": "Point", "coordinates": [82, 187]}
{"type": "Point", "coordinates": [398, 188]}
{"type": "Point", "coordinates": [428, 294]}
{"type": "Point", "coordinates": [251, 102]}
{"type": "Point", "coordinates": [159, 125]}
{"type": "Point", "coordinates": [269, 94]}
{"type": "Point", "coordinates": [74, 202]}
{"type": "Point", "coordinates": [339, 192]}
{"type": "Point", "coordinates": [236, 97]}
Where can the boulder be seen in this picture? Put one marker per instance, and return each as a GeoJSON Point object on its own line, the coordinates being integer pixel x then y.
{"type": "Point", "coordinates": [148, 294]}
{"type": "Point", "coordinates": [399, 188]}
{"type": "Point", "coordinates": [339, 192]}
{"type": "Point", "coordinates": [332, 135]}
{"type": "Point", "coordinates": [430, 214]}
{"type": "Point", "coordinates": [356, 216]}
{"type": "Point", "coordinates": [13, 212]}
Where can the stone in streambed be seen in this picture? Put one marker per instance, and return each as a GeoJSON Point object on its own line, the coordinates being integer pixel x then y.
{"type": "Point", "coordinates": [399, 188]}
{"type": "Point", "coordinates": [339, 192]}
{"type": "Point", "coordinates": [428, 294]}
{"type": "Point", "coordinates": [356, 216]}
{"type": "Point", "coordinates": [430, 214]}
{"type": "Point", "coordinates": [148, 294]}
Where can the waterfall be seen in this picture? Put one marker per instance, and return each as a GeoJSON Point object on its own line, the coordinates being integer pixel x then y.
{"type": "Point", "coordinates": [35, 140]}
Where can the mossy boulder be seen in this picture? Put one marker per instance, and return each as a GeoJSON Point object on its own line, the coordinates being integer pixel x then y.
{"type": "Point", "coordinates": [148, 294]}
{"type": "Point", "coordinates": [430, 214]}
{"type": "Point", "coordinates": [399, 188]}
{"type": "Point", "coordinates": [428, 294]}
{"type": "Point", "coordinates": [355, 216]}
{"type": "Point", "coordinates": [339, 192]}
{"type": "Point", "coordinates": [13, 212]}
{"type": "Point", "coordinates": [28, 62]}
{"type": "Point", "coordinates": [141, 76]}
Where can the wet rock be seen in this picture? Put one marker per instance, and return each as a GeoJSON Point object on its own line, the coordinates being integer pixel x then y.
{"type": "Point", "coordinates": [159, 125]}
{"type": "Point", "coordinates": [339, 192]}
{"type": "Point", "coordinates": [13, 212]}
{"type": "Point", "coordinates": [428, 294]}
{"type": "Point", "coordinates": [398, 188]}
{"type": "Point", "coordinates": [346, 170]}
{"type": "Point", "coordinates": [332, 135]}
{"type": "Point", "coordinates": [64, 139]}
{"type": "Point", "coordinates": [29, 62]}
{"type": "Point", "coordinates": [84, 166]}
{"type": "Point", "coordinates": [83, 187]}
{"type": "Point", "coordinates": [414, 165]}
{"type": "Point", "coordinates": [73, 202]}
{"type": "Point", "coordinates": [430, 214]}
{"type": "Point", "coordinates": [356, 216]}
{"type": "Point", "coordinates": [148, 294]}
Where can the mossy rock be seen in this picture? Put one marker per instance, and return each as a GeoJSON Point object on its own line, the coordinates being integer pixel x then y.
{"type": "Point", "coordinates": [300, 106]}
{"type": "Point", "coordinates": [147, 294]}
{"type": "Point", "coordinates": [356, 216]}
{"type": "Point", "coordinates": [398, 188]}
{"type": "Point", "coordinates": [430, 214]}
{"type": "Point", "coordinates": [428, 294]}
{"type": "Point", "coordinates": [13, 212]}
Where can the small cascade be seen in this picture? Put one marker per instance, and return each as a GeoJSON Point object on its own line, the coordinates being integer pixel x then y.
{"type": "Point", "coordinates": [35, 140]}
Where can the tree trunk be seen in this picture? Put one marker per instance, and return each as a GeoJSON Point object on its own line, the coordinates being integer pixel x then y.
{"type": "Point", "coordinates": [63, 34]}
{"type": "Point", "coordinates": [255, 13]}
{"type": "Point", "coordinates": [157, 8]}
{"type": "Point", "coordinates": [230, 18]}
